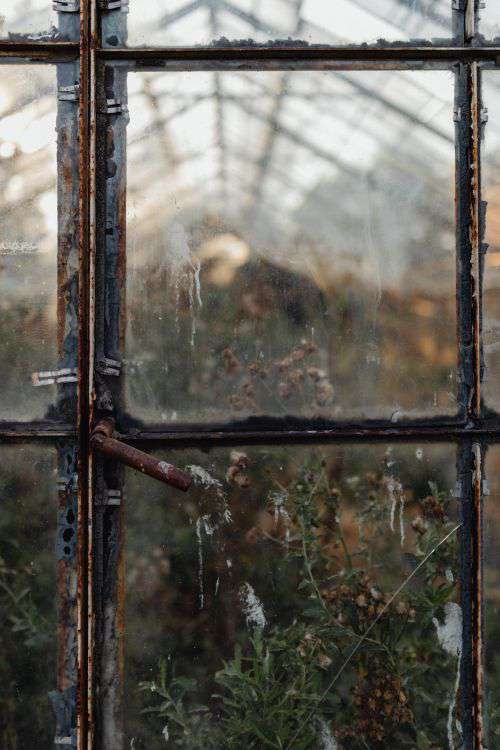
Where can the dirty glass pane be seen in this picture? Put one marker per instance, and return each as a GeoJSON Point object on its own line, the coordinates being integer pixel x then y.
{"type": "Point", "coordinates": [491, 194]}
{"type": "Point", "coordinates": [290, 245]}
{"type": "Point", "coordinates": [28, 238]}
{"type": "Point", "coordinates": [28, 595]}
{"type": "Point", "coordinates": [186, 22]}
{"type": "Point", "coordinates": [259, 608]}
{"type": "Point", "coordinates": [489, 20]}
{"type": "Point", "coordinates": [34, 18]}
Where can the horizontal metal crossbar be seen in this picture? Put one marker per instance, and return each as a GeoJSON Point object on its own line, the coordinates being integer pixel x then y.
{"type": "Point", "coordinates": [254, 54]}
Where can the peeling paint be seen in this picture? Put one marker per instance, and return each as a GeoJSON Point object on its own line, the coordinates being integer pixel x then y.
{"type": "Point", "coordinates": [252, 607]}
{"type": "Point", "coordinates": [449, 635]}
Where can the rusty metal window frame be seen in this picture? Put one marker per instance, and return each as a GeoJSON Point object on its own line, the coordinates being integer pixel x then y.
{"type": "Point", "coordinates": [471, 431]}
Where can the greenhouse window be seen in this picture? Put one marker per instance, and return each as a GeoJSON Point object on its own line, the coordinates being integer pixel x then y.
{"type": "Point", "coordinates": [249, 411]}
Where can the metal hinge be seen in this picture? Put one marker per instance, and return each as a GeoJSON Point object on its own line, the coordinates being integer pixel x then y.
{"type": "Point", "coordinates": [458, 491]}
{"type": "Point", "coordinates": [484, 115]}
{"type": "Point", "coordinates": [485, 488]}
{"type": "Point", "coordinates": [68, 93]}
{"type": "Point", "coordinates": [66, 6]}
{"type": "Point", "coordinates": [109, 497]}
{"type": "Point", "coordinates": [107, 366]}
{"type": "Point", "coordinates": [457, 114]}
{"type": "Point", "coordinates": [51, 377]}
{"type": "Point", "coordinates": [67, 483]}
{"type": "Point", "coordinates": [115, 107]}
{"type": "Point", "coordinates": [121, 5]}
{"type": "Point", "coordinates": [63, 741]}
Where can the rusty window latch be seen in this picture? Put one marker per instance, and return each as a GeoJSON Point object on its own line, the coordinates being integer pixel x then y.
{"type": "Point", "coordinates": [102, 440]}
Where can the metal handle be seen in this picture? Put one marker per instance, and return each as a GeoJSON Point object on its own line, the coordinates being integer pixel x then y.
{"type": "Point", "coordinates": [103, 441]}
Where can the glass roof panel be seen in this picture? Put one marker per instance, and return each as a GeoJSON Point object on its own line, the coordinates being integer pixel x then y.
{"type": "Point", "coordinates": [21, 17]}
{"type": "Point", "coordinates": [489, 20]}
{"type": "Point", "coordinates": [190, 22]}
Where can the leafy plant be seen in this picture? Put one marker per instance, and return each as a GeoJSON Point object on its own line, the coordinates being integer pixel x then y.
{"type": "Point", "coordinates": [354, 666]}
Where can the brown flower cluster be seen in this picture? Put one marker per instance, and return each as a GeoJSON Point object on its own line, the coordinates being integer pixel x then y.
{"type": "Point", "coordinates": [236, 471]}
{"type": "Point", "coordinates": [286, 378]}
{"type": "Point", "coordinates": [381, 705]}
{"type": "Point", "coordinates": [433, 509]}
{"type": "Point", "coordinates": [312, 648]}
{"type": "Point", "coordinates": [368, 599]}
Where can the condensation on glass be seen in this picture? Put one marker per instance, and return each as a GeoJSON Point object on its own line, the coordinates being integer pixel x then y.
{"type": "Point", "coordinates": [491, 194]}
{"type": "Point", "coordinates": [189, 22]}
{"type": "Point", "coordinates": [28, 238]}
{"type": "Point", "coordinates": [276, 253]}
{"type": "Point", "coordinates": [245, 600]}
{"type": "Point", "coordinates": [28, 596]}
{"type": "Point", "coordinates": [34, 19]}
{"type": "Point", "coordinates": [492, 596]}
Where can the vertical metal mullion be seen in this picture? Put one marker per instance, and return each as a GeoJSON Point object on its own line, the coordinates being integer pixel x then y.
{"type": "Point", "coordinates": [470, 228]}
{"type": "Point", "coordinates": [471, 457]}
{"type": "Point", "coordinates": [87, 46]}
{"type": "Point", "coordinates": [477, 222]}
{"type": "Point", "coordinates": [66, 698]}
{"type": "Point", "coordinates": [111, 122]}
{"type": "Point", "coordinates": [69, 537]}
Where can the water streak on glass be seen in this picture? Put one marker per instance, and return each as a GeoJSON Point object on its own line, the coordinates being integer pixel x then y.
{"type": "Point", "coordinates": [28, 238]}
{"type": "Point", "coordinates": [28, 594]}
{"type": "Point", "coordinates": [244, 601]}
{"type": "Point", "coordinates": [290, 245]}
{"type": "Point", "coordinates": [187, 22]}
{"type": "Point", "coordinates": [491, 194]}
{"type": "Point", "coordinates": [34, 18]}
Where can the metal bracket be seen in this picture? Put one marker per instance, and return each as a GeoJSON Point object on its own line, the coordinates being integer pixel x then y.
{"type": "Point", "coordinates": [115, 107]}
{"type": "Point", "coordinates": [109, 497]}
{"type": "Point", "coordinates": [457, 114]}
{"type": "Point", "coordinates": [484, 115]}
{"type": "Point", "coordinates": [51, 377]}
{"type": "Point", "coordinates": [107, 366]}
{"type": "Point", "coordinates": [458, 491]}
{"type": "Point", "coordinates": [485, 488]}
{"type": "Point", "coordinates": [63, 741]}
{"type": "Point", "coordinates": [67, 483]}
{"type": "Point", "coordinates": [108, 5]}
{"type": "Point", "coordinates": [66, 6]}
{"type": "Point", "coordinates": [68, 93]}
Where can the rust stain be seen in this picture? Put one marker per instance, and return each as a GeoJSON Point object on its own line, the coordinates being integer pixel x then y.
{"type": "Point", "coordinates": [475, 236]}
{"type": "Point", "coordinates": [103, 442]}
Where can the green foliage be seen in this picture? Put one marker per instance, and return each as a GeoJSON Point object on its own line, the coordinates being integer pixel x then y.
{"type": "Point", "coordinates": [351, 665]}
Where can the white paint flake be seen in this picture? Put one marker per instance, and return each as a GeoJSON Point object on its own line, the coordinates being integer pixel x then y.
{"type": "Point", "coordinates": [326, 739]}
{"type": "Point", "coordinates": [449, 636]}
{"type": "Point", "coordinates": [200, 562]}
{"type": "Point", "coordinates": [449, 633]}
{"type": "Point", "coordinates": [402, 518]}
{"type": "Point", "coordinates": [396, 497]}
{"type": "Point", "coordinates": [202, 478]}
{"type": "Point", "coordinates": [252, 607]}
